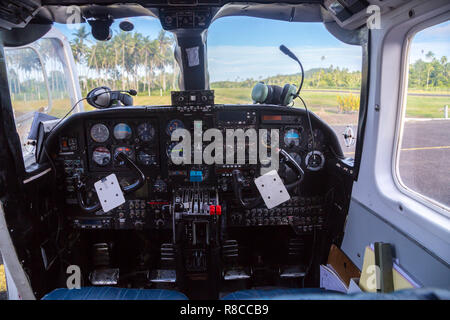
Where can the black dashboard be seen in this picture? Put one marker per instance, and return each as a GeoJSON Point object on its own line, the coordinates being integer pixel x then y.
{"type": "Point", "coordinates": [88, 143]}
{"type": "Point", "coordinates": [198, 221]}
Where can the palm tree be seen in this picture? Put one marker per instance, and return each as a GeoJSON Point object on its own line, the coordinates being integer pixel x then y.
{"type": "Point", "coordinates": [127, 57]}
{"type": "Point", "coordinates": [429, 56]}
{"type": "Point", "coordinates": [164, 43]}
{"type": "Point", "coordinates": [79, 48]}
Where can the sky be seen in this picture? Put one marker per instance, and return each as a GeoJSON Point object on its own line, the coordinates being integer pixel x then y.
{"type": "Point", "coordinates": [247, 47]}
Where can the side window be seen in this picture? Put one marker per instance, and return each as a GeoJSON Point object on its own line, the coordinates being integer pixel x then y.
{"type": "Point", "coordinates": [28, 87]}
{"type": "Point", "coordinates": [424, 148]}
{"type": "Point", "coordinates": [38, 82]}
{"type": "Point", "coordinates": [49, 48]}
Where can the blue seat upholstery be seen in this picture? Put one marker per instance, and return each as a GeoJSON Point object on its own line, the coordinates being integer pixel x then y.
{"type": "Point", "coordinates": [275, 294]}
{"type": "Point", "coordinates": [112, 293]}
{"type": "Point", "coordinates": [321, 294]}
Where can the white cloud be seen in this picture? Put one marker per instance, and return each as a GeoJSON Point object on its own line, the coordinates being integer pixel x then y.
{"type": "Point", "coordinates": [230, 62]}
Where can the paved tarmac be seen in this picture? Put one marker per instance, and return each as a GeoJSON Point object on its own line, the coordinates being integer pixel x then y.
{"type": "Point", "coordinates": [424, 157]}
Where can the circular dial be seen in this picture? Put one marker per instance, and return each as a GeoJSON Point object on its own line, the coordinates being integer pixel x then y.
{"type": "Point", "coordinates": [145, 132]}
{"type": "Point", "coordinates": [99, 132]}
{"type": "Point", "coordinates": [292, 138]}
{"type": "Point", "coordinates": [174, 125]}
{"type": "Point", "coordinates": [101, 156]}
{"type": "Point", "coordinates": [122, 131]}
{"type": "Point", "coordinates": [126, 150]}
{"type": "Point", "coordinates": [314, 160]}
{"type": "Point", "coordinates": [171, 150]}
{"type": "Point", "coordinates": [146, 157]}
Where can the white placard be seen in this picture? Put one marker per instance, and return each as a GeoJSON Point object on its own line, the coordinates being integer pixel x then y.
{"type": "Point", "coordinates": [193, 56]}
{"type": "Point", "coordinates": [272, 189]}
{"type": "Point", "coordinates": [109, 192]}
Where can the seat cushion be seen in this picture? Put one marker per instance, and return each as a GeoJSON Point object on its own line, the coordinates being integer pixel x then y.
{"type": "Point", "coordinates": [276, 294]}
{"type": "Point", "coordinates": [112, 293]}
{"type": "Point", "coordinates": [321, 294]}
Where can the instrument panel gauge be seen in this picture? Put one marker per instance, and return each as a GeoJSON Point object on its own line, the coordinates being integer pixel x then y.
{"type": "Point", "coordinates": [99, 132]}
{"type": "Point", "coordinates": [122, 131]}
{"type": "Point", "coordinates": [292, 138]}
{"type": "Point", "coordinates": [266, 139]}
{"type": "Point", "coordinates": [314, 160]}
{"type": "Point", "coordinates": [174, 151]}
{"type": "Point", "coordinates": [146, 158]}
{"type": "Point", "coordinates": [127, 151]}
{"type": "Point", "coordinates": [146, 132]}
{"type": "Point", "coordinates": [174, 125]}
{"type": "Point", "coordinates": [101, 156]}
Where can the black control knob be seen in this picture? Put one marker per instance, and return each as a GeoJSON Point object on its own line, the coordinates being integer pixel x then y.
{"type": "Point", "coordinates": [160, 223]}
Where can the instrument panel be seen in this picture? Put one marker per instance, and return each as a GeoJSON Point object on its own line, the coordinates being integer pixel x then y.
{"type": "Point", "coordinates": [137, 139]}
{"type": "Point", "coordinates": [145, 138]}
{"type": "Point", "coordinates": [198, 213]}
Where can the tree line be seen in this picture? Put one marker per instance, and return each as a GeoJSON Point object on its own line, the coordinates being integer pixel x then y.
{"type": "Point", "coordinates": [132, 60]}
{"type": "Point", "coordinates": [431, 74]}
{"type": "Point", "coordinates": [331, 77]}
{"type": "Point", "coordinates": [126, 61]}
{"type": "Point", "coordinates": [423, 75]}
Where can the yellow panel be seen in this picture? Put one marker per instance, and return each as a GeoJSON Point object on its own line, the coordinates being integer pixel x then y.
{"type": "Point", "coordinates": [2, 278]}
{"type": "Point", "coordinates": [367, 281]}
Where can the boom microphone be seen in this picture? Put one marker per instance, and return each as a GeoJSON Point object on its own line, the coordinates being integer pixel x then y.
{"type": "Point", "coordinates": [289, 53]}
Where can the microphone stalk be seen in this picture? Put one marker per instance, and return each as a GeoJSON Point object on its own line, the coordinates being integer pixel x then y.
{"type": "Point", "coordinates": [291, 55]}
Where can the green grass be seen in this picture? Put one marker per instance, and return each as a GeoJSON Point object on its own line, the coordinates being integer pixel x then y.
{"type": "Point", "coordinates": [426, 107]}
{"type": "Point", "coordinates": [322, 103]}
{"type": "Point", "coordinates": [416, 107]}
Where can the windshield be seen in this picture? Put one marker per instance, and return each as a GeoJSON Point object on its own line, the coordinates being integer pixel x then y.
{"type": "Point", "coordinates": [141, 59]}
{"type": "Point", "coordinates": [241, 52]}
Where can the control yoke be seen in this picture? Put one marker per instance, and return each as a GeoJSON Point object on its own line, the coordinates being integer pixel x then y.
{"type": "Point", "coordinates": [239, 181]}
{"type": "Point", "coordinates": [80, 186]}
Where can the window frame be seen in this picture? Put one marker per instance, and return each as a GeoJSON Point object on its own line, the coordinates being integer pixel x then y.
{"type": "Point", "coordinates": [28, 157]}
{"type": "Point", "coordinates": [28, 165]}
{"type": "Point", "coordinates": [401, 115]}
